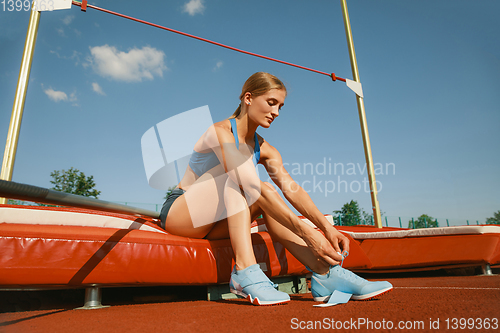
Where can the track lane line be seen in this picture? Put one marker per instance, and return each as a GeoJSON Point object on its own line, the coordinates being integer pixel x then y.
{"type": "Point", "coordinates": [459, 288]}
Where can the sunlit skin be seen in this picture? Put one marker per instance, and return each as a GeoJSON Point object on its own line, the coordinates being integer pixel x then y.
{"type": "Point", "coordinates": [215, 193]}
{"type": "Point", "coordinates": [264, 109]}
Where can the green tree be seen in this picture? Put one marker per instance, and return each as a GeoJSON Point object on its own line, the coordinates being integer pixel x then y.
{"type": "Point", "coordinates": [170, 189]}
{"type": "Point", "coordinates": [15, 202]}
{"type": "Point", "coordinates": [75, 182]}
{"type": "Point", "coordinates": [351, 214]}
{"type": "Point", "coordinates": [423, 221]}
{"type": "Point", "coordinates": [495, 219]}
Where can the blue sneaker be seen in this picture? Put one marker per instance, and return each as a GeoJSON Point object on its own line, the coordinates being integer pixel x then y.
{"type": "Point", "coordinates": [252, 284]}
{"type": "Point", "coordinates": [338, 278]}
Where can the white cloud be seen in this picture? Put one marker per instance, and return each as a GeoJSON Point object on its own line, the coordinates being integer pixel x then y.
{"type": "Point", "coordinates": [75, 57]}
{"type": "Point", "coordinates": [56, 96]}
{"type": "Point", "coordinates": [72, 97]}
{"type": "Point", "coordinates": [97, 88]}
{"type": "Point", "coordinates": [68, 19]}
{"type": "Point", "coordinates": [194, 7]}
{"type": "Point", "coordinates": [218, 65]}
{"type": "Point", "coordinates": [134, 65]}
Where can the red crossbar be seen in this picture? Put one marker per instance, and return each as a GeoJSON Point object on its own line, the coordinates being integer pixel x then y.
{"type": "Point", "coordinates": [84, 4]}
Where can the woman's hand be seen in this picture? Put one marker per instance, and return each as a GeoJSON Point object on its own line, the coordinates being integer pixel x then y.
{"type": "Point", "coordinates": [339, 242]}
{"type": "Point", "coordinates": [328, 247]}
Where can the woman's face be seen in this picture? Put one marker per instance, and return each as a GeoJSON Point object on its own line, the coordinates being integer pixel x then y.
{"type": "Point", "coordinates": [265, 108]}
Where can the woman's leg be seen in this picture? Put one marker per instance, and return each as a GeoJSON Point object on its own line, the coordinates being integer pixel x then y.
{"type": "Point", "coordinates": [196, 212]}
{"type": "Point", "coordinates": [200, 212]}
{"type": "Point", "coordinates": [203, 203]}
{"type": "Point", "coordinates": [272, 206]}
{"type": "Point", "coordinates": [239, 225]}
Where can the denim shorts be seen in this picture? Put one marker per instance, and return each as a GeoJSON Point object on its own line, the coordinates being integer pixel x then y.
{"type": "Point", "coordinates": [168, 203]}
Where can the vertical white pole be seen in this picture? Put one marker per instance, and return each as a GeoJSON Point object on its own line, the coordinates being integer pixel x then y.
{"type": "Point", "coordinates": [20, 97]}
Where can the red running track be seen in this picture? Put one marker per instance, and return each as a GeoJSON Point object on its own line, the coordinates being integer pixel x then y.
{"type": "Point", "coordinates": [419, 304]}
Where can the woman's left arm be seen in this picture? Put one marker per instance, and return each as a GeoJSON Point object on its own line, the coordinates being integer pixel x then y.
{"type": "Point", "coordinates": [299, 198]}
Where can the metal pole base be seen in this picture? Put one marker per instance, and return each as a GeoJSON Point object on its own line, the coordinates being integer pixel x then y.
{"type": "Point", "coordinates": [93, 296]}
{"type": "Point", "coordinates": [487, 270]}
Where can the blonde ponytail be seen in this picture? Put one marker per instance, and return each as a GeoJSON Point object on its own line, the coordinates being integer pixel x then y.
{"type": "Point", "coordinates": [237, 112]}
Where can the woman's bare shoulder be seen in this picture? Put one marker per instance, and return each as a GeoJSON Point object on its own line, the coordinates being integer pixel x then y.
{"type": "Point", "coordinates": [223, 130]}
{"type": "Point", "coordinates": [268, 151]}
{"type": "Point", "coordinates": [224, 124]}
{"type": "Point", "coordinates": [213, 136]}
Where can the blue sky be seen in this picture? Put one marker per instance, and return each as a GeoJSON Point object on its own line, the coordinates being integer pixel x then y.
{"type": "Point", "coordinates": [429, 71]}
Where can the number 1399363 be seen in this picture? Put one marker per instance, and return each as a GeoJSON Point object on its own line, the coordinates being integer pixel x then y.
{"type": "Point", "coordinates": [26, 5]}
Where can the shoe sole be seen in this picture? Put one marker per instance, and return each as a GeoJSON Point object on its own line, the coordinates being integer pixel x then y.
{"type": "Point", "coordinates": [370, 296]}
{"type": "Point", "coordinates": [364, 297]}
{"type": "Point", "coordinates": [256, 301]}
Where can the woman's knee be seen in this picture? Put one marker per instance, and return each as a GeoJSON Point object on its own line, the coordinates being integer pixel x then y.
{"type": "Point", "coordinates": [269, 192]}
{"type": "Point", "coordinates": [268, 186]}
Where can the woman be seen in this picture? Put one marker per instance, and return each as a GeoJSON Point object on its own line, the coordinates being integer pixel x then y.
{"type": "Point", "coordinates": [221, 194]}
